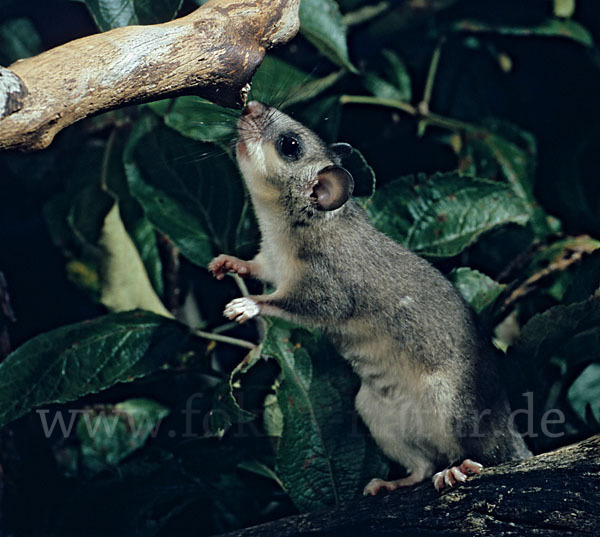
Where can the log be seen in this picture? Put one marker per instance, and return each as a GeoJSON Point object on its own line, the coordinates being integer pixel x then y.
{"type": "Point", "coordinates": [554, 494]}
{"type": "Point", "coordinates": [213, 52]}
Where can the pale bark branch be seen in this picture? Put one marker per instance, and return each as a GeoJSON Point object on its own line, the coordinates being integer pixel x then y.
{"type": "Point", "coordinates": [212, 52]}
{"type": "Point", "coordinates": [554, 494]}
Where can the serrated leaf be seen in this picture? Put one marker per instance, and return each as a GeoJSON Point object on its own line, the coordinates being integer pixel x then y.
{"type": "Point", "coordinates": [321, 23]}
{"type": "Point", "coordinates": [124, 284]}
{"type": "Point", "coordinates": [364, 175]}
{"type": "Point", "coordinates": [199, 205]}
{"type": "Point", "coordinates": [479, 290]}
{"type": "Point", "coordinates": [549, 28]}
{"type": "Point", "coordinates": [325, 455]}
{"type": "Point", "coordinates": [110, 14]}
{"type": "Point", "coordinates": [226, 411]}
{"type": "Point", "coordinates": [109, 433]}
{"type": "Point", "coordinates": [75, 360]}
{"type": "Point", "coordinates": [443, 214]}
{"type": "Point", "coordinates": [503, 151]}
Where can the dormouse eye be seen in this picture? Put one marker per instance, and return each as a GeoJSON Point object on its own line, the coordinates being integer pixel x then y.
{"type": "Point", "coordinates": [289, 147]}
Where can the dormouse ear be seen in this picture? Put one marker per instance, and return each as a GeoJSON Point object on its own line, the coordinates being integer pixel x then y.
{"type": "Point", "coordinates": [333, 188]}
{"type": "Point", "coordinates": [341, 150]}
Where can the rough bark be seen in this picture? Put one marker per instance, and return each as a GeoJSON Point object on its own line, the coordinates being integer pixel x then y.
{"type": "Point", "coordinates": [212, 52]}
{"type": "Point", "coordinates": [554, 494]}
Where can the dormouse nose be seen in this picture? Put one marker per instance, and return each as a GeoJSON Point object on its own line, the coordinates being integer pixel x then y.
{"type": "Point", "coordinates": [253, 109]}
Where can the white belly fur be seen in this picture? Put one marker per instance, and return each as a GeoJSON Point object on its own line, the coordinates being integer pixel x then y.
{"type": "Point", "coordinates": [412, 426]}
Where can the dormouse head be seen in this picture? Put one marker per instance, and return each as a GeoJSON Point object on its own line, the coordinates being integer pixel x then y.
{"type": "Point", "coordinates": [283, 161]}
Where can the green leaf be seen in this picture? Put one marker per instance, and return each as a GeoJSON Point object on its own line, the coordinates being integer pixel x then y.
{"type": "Point", "coordinates": [272, 416]}
{"type": "Point", "coordinates": [505, 152]}
{"type": "Point", "coordinates": [110, 14]}
{"type": "Point", "coordinates": [584, 393]}
{"type": "Point", "coordinates": [202, 120]}
{"type": "Point", "coordinates": [79, 221]}
{"type": "Point", "coordinates": [321, 23]}
{"type": "Point", "coordinates": [125, 283]}
{"type": "Point", "coordinates": [565, 269]}
{"type": "Point", "coordinates": [138, 227]}
{"type": "Point", "coordinates": [443, 214]}
{"type": "Point", "coordinates": [75, 217]}
{"type": "Point", "coordinates": [479, 290]}
{"type": "Point", "coordinates": [364, 175]}
{"type": "Point", "coordinates": [109, 433]}
{"type": "Point", "coordinates": [276, 80]}
{"type": "Point", "coordinates": [553, 346]}
{"type": "Point", "coordinates": [325, 455]}
{"type": "Point", "coordinates": [261, 469]}
{"type": "Point", "coordinates": [75, 360]}
{"type": "Point", "coordinates": [280, 84]}
{"type": "Point", "coordinates": [549, 28]}
{"type": "Point", "coordinates": [18, 39]}
{"type": "Point", "coordinates": [197, 118]}
{"type": "Point", "coordinates": [585, 280]}
{"type": "Point", "coordinates": [226, 410]}
{"type": "Point", "coordinates": [564, 8]}
{"type": "Point", "coordinates": [199, 204]}
{"type": "Point", "coordinates": [395, 85]}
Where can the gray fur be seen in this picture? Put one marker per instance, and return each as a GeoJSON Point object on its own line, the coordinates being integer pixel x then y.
{"type": "Point", "coordinates": [426, 372]}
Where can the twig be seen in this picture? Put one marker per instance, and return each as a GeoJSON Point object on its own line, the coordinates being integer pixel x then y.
{"type": "Point", "coordinates": [225, 339]}
{"type": "Point", "coordinates": [224, 327]}
{"type": "Point", "coordinates": [365, 13]}
{"type": "Point", "coordinates": [426, 115]}
{"type": "Point", "coordinates": [433, 67]}
{"type": "Point", "coordinates": [241, 284]}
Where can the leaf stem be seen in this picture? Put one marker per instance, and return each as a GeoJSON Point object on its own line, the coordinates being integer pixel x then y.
{"type": "Point", "coordinates": [425, 115]}
{"type": "Point", "coordinates": [241, 284]}
{"type": "Point", "coordinates": [433, 67]}
{"type": "Point", "coordinates": [225, 339]}
{"type": "Point", "coordinates": [365, 14]}
{"type": "Point", "coordinates": [224, 327]}
{"type": "Point", "coordinates": [379, 101]}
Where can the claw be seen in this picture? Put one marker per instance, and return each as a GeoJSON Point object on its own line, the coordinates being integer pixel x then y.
{"type": "Point", "coordinates": [241, 309]}
{"type": "Point", "coordinates": [450, 476]}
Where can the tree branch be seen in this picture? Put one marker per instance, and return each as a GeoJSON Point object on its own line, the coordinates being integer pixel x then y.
{"type": "Point", "coordinates": [212, 52]}
{"type": "Point", "coordinates": [554, 494]}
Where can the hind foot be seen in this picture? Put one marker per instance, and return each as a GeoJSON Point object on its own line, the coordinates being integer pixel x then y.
{"type": "Point", "coordinates": [375, 485]}
{"type": "Point", "coordinates": [456, 474]}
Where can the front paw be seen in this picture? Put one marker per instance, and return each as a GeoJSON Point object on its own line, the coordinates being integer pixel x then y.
{"type": "Point", "coordinates": [241, 309]}
{"type": "Point", "coordinates": [223, 264]}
